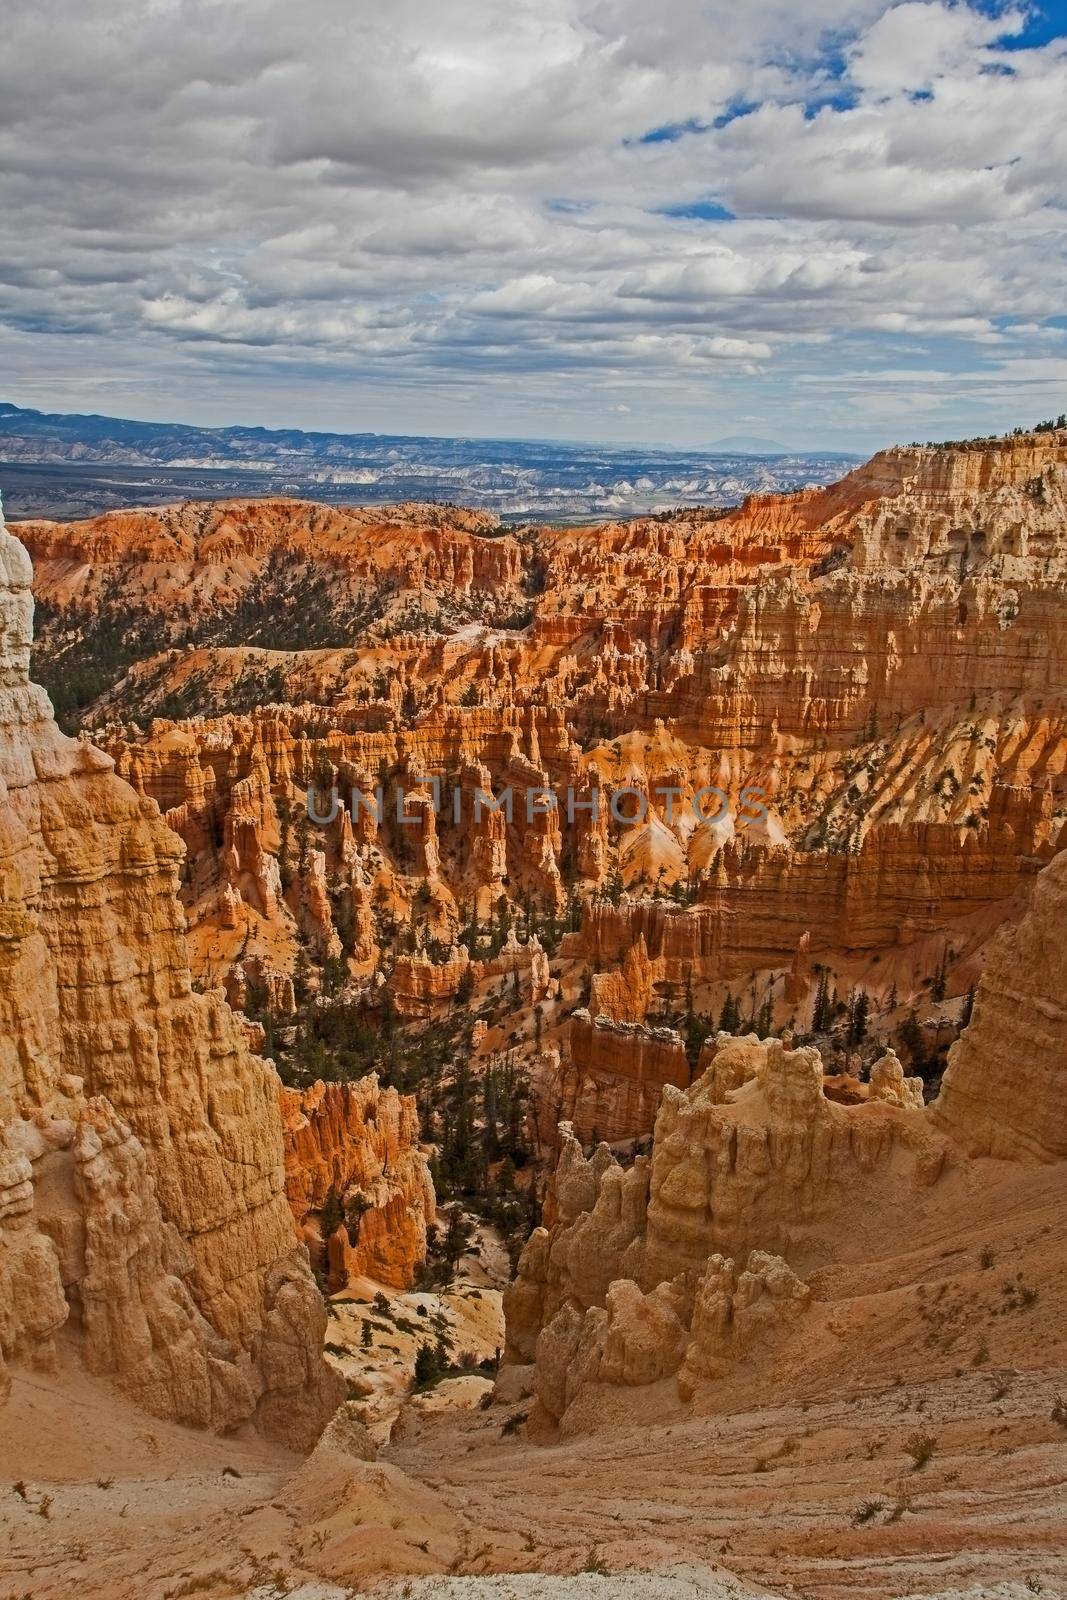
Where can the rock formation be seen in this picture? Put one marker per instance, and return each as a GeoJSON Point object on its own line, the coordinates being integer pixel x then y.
{"type": "Point", "coordinates": [609, 1082]}
{"type": "Point", "coordinates": [753, 1164]}
{"type": "Point", "coordinates": [764, 1161]}
{"type": "Point", "coordinates": [1005, 1090]}
{"type": "Point", "coordinates": [358, 1144]}
{"type": "Point", "coordinates": [640, 785]}
{"type": "Point", "coordinates": [619, 765]}
{"type": "Point", "coordinates": [143, 1197]}
{"type": "Point", "coordinates": [625, 994]}
{"type": "Point", "coordinates": [733, 1312]}
{"type": "Point", "coordinates": [874, 665]}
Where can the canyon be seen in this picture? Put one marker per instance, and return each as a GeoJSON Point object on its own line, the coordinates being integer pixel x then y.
{"type": "Point", "coordinates": [831, 721]}
{"type": "Point", "coordinates": [734, 1038]}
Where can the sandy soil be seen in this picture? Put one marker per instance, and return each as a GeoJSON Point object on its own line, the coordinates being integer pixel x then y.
{"type": "Point", "coordinates": [909, 1440]}
{"type": "Point", "coordinates": [818, 1500]}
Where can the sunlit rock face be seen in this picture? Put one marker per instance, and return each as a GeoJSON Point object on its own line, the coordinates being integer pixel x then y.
{"type": "Point", "coordinates": [359, 1143]}
{"type": "Point", "coordinates": [140, 1141]}
{"type": "Point", "coordinates": [831, 722]}
{"type": "Point", "coordinates": [681, 1261]}
{"type": "Point", "coordinates": [843, 710]}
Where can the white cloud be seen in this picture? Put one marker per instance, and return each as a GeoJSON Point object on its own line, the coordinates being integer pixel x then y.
{"type": "Point", "coordinates": [460, 214]}
{"type": "Point", "coordinates": [913, 45]}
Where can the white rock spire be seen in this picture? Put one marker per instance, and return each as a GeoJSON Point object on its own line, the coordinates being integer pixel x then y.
{"type": "Point", "coordinates": [16, 610]}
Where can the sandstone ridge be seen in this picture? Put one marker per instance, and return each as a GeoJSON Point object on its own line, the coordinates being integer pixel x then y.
{"type": "Point", "coordinates": [359, 1144]}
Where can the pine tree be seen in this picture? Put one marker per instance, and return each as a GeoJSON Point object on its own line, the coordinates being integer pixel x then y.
{"type": "Point", "coordinates": [697, 1030]}
{"type": "Point", "coordinates": [822, 1014]}
{"type": "Point", "coordinates": [456, 1239]}
{"type": "Point", "coordinates": [490, 1133]}
{"type": "Point", "coordinates": [301, 976]}
{"type": "Point", "coordinates": [427, 1365]}
{"type": "Point", "coordinates": [331, 1216]}
{"type": "Point", "coordinates": [356, 1203]}
{"type": "Point", "coordinates": [730, 1015]}
{"type": "Point", "coordinates": [574, 910]}
{"type": "Point", "coordinates": [910, 1037]}
{"type": "Point", "coordinates": [859, 1015]}
{"type": "Point", "coordinates": [939, 986]}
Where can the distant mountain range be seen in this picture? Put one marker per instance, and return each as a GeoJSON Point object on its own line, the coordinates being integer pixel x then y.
{"type": "Point", "coordinates": [58, 465]}
{"type": "Point", "coordinates": [747, 444]}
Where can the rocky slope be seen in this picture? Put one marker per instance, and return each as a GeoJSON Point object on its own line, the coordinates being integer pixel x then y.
{"type": "Point", "coordinates": [713, 1262]}
{"type": "Point", "coordinates": [142, 1201]}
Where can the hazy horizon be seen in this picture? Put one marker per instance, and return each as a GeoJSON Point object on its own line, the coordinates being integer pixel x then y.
{"type": "Point", "coordinates": [591, 443]}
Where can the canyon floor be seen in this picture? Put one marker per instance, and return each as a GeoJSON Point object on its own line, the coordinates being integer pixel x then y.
{"type": "Point", "coordinates": [154, 1511]}
{"type": "Point", "coordinates": [879, 1482]}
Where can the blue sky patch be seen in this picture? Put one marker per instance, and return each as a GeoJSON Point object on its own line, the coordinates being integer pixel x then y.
{"type": "Point", "coordinates": [698, 211]}
{"type": "Point", "coordinates": [741, 108]}
{"type": "Point", "coordinates": [669, 132]}
{"type": "Point", "coordinates": [1043, 22]}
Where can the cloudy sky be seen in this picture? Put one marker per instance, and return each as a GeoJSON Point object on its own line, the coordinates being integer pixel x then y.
{"type": "Point", "coordinates": [826, 222]}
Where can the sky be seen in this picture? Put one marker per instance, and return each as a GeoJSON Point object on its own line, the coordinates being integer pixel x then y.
{"type": "Point", "coordinates": [834, 224]}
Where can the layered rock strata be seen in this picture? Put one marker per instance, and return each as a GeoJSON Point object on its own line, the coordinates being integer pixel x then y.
{"type": "Point", "coordinates": [1004, 1092]}
{"type": "Point", "coordinates": [832, 723]}
{"type": "Point", "coordinates": [144, 1197]}
{"type": "Point", "coordinates": [609, 1081]}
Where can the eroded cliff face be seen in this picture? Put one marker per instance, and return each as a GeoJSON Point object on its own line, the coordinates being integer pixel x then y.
{"type": "Point", "coordinates": [221, 552]}
{"type": "Point", "coordinates": [143, 1193]}
{"type": "Point", "coordinates": [609, 1080]}
{"type": "Point", "coordinates": [358, 1144]}
{"type": "Point", "coordinates": [762, 1173]}
{"type": "Point", "coordinates": [1004, 1092]}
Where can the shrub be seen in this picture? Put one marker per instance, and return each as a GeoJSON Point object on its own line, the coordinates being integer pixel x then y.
{"type": "Point", "coordinates": [920, 1447]}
